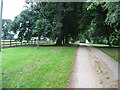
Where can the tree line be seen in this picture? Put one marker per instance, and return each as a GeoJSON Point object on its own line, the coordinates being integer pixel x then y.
{"type": "Point", "coordinates": [64, 22]}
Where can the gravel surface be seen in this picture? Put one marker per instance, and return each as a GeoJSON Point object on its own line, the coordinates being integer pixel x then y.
{"type": "Point", "coordinates": [93, 69]}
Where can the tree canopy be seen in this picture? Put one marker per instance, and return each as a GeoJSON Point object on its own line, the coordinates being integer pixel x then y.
{"type": "Point", "coordinates": [65, 22]}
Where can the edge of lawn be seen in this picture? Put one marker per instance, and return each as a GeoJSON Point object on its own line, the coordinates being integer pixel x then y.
{"type": "Point", "coordinates": [73, 65]}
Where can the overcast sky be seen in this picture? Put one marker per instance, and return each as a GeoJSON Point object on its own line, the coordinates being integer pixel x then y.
{"type": "Point", "coordinates": [12, 8]}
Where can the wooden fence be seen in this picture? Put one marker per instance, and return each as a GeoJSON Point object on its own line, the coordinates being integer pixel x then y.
{"type": "Point", "coordinates": [8, 43]}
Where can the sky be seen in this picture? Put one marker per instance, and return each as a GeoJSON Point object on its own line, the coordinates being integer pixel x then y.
{"type": "Point", "coordinates": [12, 8]}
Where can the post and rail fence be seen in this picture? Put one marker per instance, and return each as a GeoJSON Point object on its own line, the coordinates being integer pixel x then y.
{"type": "Point", "coordinates": [14, 43]}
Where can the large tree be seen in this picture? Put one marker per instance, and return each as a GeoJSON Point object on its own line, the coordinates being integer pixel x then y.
{"type": "Point", "coordinates": [24, 24]}
{"type": "Point", "coordinates": [56, 21]}
{"type": "Point", "coordinates": [65, 22]}
{"type": "Point", "coordinates": [105, 22]}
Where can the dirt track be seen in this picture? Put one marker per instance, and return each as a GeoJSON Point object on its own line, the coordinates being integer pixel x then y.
{"type": "Point", "coordinates": [93, 69]}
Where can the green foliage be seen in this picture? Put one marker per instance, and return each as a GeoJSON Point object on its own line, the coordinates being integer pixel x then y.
{"type": "Point", "coordinates": [105, 22]}
{"type": "Point", "coordinates": [41, 28]}
{"type": "Point", "coordinates": [113, 15]}
{"type": "Point", "coordinates": [64, 22]}
{"type": "Point", "coordinates": [6, 26]}
{"type": "Point", "coordinates": [24, 24]}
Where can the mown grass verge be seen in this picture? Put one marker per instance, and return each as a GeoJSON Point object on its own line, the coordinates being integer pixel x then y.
{"type": "Point", "coordinates": [37, 67]}
{"type": "Point", "coordinates": [100, 45]}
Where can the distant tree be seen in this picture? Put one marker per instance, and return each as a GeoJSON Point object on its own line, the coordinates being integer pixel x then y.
{"type": "Point", "coordinates": [24, 24]}
{"type": "Point", "coordinates": [6, 29]}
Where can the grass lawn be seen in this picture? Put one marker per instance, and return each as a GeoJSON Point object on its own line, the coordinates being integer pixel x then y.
{"type": "Point", "coordinates": [37, 67]}
{"type": "Point", "coordinates": [97, 44]}
{"type": "Point", "coordinates": [112, 52]}
{"type": "Point", "coordinates": [102, 45]}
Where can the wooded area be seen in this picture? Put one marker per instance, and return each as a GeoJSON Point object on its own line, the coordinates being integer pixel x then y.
{"type": "Point", "coordinates": [98, 22]}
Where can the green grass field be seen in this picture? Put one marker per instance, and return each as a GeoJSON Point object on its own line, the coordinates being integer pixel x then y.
{"type": "Point", "coordinates": [102, 45]}
{"type": "Point", "coordinates": [37, 67]}
{"type": "Point", "coordinates": [98, 45]}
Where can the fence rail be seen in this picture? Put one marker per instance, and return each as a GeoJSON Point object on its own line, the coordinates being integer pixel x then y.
{"type": "Point", "coordinates": [8, 43]}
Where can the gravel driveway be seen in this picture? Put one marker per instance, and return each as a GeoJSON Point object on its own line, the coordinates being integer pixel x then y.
{"type": "Point", "coordinates": [93, 69]}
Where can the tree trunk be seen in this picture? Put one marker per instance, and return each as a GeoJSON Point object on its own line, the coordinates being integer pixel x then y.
{"type": "Point", "coordinates": [38, 40]}
{"type": "Point", "coordinates": [66, 40]}
{"type": "Point", "coordinates": [60, 38]}
{"type": "Point", "coordinates": [108, 41]}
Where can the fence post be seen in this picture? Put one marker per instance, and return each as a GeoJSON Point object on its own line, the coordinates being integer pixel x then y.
{"type": "Point", "coordinates": [16, 42]}
{"type": "Point", "coordinates": [3, 42]}
{"type": "Point", "coordinates": [35, 41]}
{"type": "Point", "coordinates": [28, 42]}
{"type": "Point", "coordinates": [31, 42]}
{"type": "Point", "coordinates": [21, 42]}
{"type": "Point", "coordinates": [10, 42]}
